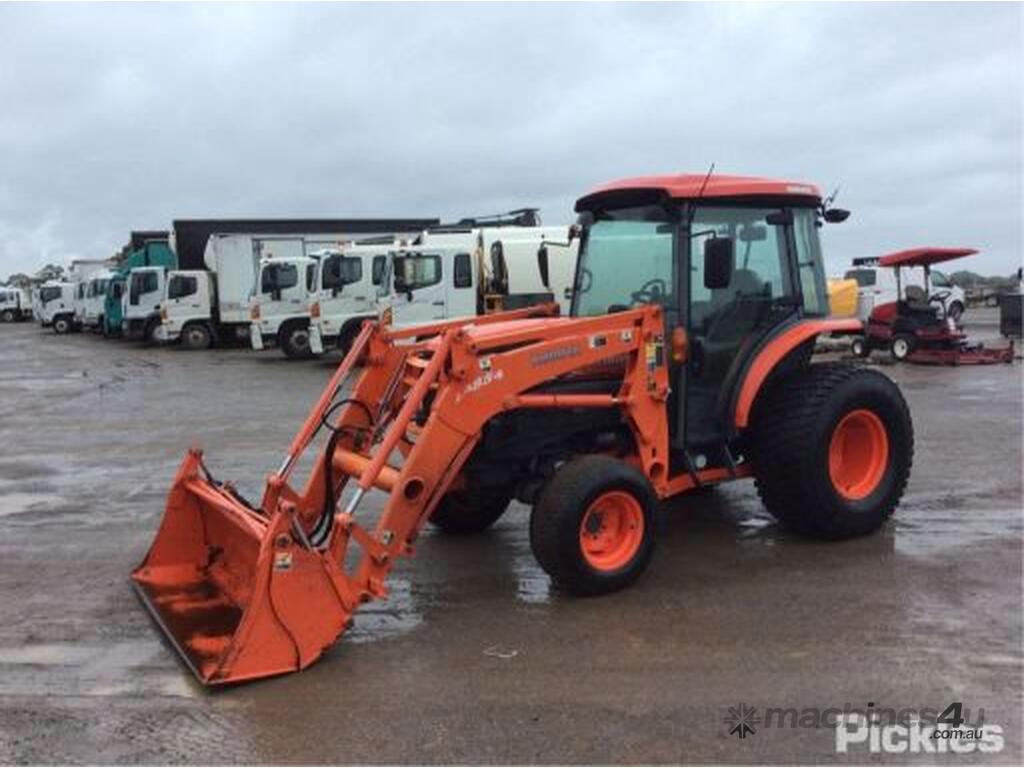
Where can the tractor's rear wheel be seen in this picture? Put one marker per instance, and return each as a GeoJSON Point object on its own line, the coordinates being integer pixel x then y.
{"type": "Point", "coordinates": [467, 511]}
{"type": "Point", "coordinates": [833, 447]}
{"type": "Point", "coordinates": [593, 527]}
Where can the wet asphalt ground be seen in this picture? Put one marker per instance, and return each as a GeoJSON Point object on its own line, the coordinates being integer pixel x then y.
{"type": "Point", "coordinates": [475, 657]}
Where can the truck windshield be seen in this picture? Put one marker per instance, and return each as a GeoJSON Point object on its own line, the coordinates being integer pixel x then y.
{"type": "Point", "coordinates": [626, 260]}
{"type": "Point", "coordinates": [864, 277]}
{"type": "Point", "coordinates": [142, 283]}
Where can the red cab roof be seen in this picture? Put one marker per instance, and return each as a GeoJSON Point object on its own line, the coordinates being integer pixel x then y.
{"type": "Point", "coordinates": [689, 185]}
{"type": "Point", "coordinates": [919, 257]}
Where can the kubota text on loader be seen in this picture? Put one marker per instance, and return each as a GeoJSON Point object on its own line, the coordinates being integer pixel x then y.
{"type": "Point", "coordinates": [685, 362]}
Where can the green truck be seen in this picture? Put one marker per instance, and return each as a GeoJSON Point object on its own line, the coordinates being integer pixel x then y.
{"type": "Point", "coordinates": [152, 253]}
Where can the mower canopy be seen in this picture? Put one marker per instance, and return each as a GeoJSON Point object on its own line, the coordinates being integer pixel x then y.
{"type": "Point", "coordinates": [923, 257]}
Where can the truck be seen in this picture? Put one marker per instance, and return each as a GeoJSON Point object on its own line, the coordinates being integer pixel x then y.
{"type": "Point", "coordinates": [203, 307]}
{"type": "Point", "coordinates": [147, 252]}
{"type": "Point", "coordinates": [286, 284]}
{"type": "Point", "coordinates": [57, 305]}
{"type": "Point", "coordinates": [93, 306]}
{"type": "Point", "coordinates": [15, 305]}
{"type": "Point", "coordinates": [447, 272]}
{"type": "Point", "coordinates": [80, 272]}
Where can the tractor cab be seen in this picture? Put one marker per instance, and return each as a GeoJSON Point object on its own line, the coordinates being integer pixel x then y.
{"type": "Point", "coordinates": [918, 326]}
{"type": "Point", "coordinates": [733, 262]}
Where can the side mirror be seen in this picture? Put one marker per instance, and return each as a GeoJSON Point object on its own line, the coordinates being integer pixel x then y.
{"type": "Point", "coordinates": [718, 262]}
{"type": "Point", "coordinates": [835, 215]}
{"type": "Point", "coordinates": [542, 265]}
{"type": "Point", "coordinates": [575, 230]}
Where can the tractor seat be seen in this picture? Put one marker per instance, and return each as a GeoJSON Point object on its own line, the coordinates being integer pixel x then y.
{"type": "Point", "coordinates": [917, 300]}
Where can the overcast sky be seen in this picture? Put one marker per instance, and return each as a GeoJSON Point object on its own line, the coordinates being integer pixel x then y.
{"type": "Point", "coordinates": [123, 117]}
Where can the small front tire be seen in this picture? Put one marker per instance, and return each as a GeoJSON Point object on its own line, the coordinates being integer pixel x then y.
{"type": "Point", "coordinates": [901, 347]}
{"type": "Point", "coordinates": [593, 527]}
{"type": "Point", "coordinates": [859, 347]}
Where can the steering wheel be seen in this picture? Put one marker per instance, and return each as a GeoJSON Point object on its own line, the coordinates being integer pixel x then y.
{"type": "Point", "coordinates": [650, 292]}
{"type": "Point", "coordinates": [939, 297]}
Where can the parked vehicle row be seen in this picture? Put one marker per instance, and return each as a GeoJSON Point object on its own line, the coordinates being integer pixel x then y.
{"type": "Point", "coordinates": [308, 292]}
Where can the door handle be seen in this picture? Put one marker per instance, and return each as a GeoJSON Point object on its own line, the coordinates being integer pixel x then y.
{"type": "Point", "coordinates": [438, 303]}
{"type": "Point", "coordinates": [359, 298]}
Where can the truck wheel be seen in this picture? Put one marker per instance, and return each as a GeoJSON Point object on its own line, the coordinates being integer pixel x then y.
{"type": "Point", "coordinates": [295, 342]}
{"type": "Point", "coordinates": [464, 512]}
{"type": "Point", "coordinates": [149, 334]}
{"type": "Point", "coordinates": [593, 527]}
{"type": "Point", "coordinates": [61, 325]}
{"type": "Point", "coordinates": [901, 347]}
{"type": "Point", "coordinates": [859, 347]}
{"type": "Point", "coordinates": [833, 447]}
{"type": "Point", "coordinates": [7, 316]}
{"type": "Point", "coordinates": [347, 337]}
{"type": "Point", "coordinates": [196, 336]}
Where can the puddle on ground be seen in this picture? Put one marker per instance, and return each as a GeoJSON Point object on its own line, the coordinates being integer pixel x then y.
{"type": "Point", "coordinates": [126, 668]}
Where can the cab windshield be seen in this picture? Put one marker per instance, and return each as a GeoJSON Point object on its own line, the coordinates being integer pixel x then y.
{"type": "Point", "coordinates": [626, 260]}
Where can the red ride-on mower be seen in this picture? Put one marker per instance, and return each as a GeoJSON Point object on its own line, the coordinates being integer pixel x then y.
{"type": "Point", "coordinates": [917, 327]}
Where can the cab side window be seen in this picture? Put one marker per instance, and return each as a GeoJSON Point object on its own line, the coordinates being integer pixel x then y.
{"type": "Point", "coordinates": [379, 262]}
{"type": "Point", "coordinates": [463, 272]}
{"type": "Point", "coordinates": [182, 286]}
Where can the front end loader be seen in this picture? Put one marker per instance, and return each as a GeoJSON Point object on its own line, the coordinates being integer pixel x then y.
{"type": "Point", "coordinates": [685, 362]}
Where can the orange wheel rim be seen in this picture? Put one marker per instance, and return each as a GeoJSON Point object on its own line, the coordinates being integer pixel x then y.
{"type": "Point", "coordinates": [858, 454]}
{"type": "Point", "coordinates": [611, 530]}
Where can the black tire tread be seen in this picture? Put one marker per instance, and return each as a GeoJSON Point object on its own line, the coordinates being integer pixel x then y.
{"type": "Point", "coordinates": [784, 424]}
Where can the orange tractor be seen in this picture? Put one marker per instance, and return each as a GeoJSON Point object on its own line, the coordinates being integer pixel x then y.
{"type": "Point", "coordinates": [685, 362]}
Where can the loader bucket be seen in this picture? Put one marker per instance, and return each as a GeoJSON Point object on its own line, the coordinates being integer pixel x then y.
{"type": "Point", "coordinates": [237, 596]}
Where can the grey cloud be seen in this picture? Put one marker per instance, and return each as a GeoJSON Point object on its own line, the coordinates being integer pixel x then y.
{"type": "Point", "coordinates": [120, 116]}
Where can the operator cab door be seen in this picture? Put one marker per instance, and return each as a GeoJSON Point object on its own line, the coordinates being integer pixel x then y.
{"type": "Point", "coordinates": [730, 314]}
{"type": "Point", "coordinates": [420, 293]}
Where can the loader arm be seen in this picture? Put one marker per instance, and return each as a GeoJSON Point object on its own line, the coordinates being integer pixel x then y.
{"type": "Point", "coordinates": [249, 592]}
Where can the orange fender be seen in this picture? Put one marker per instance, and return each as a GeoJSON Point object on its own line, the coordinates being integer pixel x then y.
{"type": "Point", "coordinates": [775, 351]}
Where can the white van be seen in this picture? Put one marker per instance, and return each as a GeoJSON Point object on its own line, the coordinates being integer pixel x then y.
{"type": "Point", "coordinates": [877, 285]}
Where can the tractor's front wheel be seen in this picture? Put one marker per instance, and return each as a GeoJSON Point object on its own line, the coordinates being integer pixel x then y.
{"type": "Point", "coordinates": [464, 512]}
{"type": "Point", "coordinates": [833, 447]}
{"type": "Point", "coordinates": [593, 527]}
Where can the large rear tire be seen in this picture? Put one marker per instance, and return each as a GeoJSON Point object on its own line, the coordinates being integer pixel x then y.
{"type": "Point", "coordinates": [466, 512]}
{"type": "Point", "coordinates": [593, 527]}
{"type": "Point", "coordinates": [833, 447]}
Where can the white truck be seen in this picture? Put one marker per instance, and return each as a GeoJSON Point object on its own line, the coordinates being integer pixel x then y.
{"type": "Point", "coordinates": [57, 305]}
{"type": "Point", "coordinates": [95, 297]}
{"type": "Point", "coordinates": [15, 305]}
{"type": "Point", "coordinates": [200, 308]}
{"type": "Point", "coordinates": [447, 273]}
{"type": "Point", "coordinates": [140, 315]}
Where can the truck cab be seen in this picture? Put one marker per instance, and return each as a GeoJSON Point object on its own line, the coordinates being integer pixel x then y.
{"type": "Point", "coordinates": [279, 308]}
{"type": "Point", "coordinates": [448, 275]}
{"type": "Point", "coordinates": [187, 306]}
{"type": "Point", "coordinates": [350, 284]}
{"type": "Point", "coordinates": [142, 310]}
{"type": "Point", "coordinates": [57, 305]}
{"type": "Point", "coordinates": [95, 299]}
{"type": "Point", "coordinates": [14, 305]}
